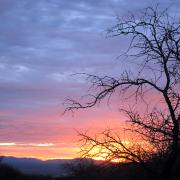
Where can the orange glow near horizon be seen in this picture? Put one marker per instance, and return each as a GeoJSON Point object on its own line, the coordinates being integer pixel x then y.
{"type": "Point", "coordinates": [104, 154]}
{"type": "Point", "coordinates": [39, 151]}
{"type": "Point", "coordinates": [50, 150]}
{"type": "Point", "coordinates": [46, 135]}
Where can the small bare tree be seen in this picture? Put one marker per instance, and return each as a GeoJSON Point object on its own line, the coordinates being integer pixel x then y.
{"type": "Point", "coordinates": [154, 47]}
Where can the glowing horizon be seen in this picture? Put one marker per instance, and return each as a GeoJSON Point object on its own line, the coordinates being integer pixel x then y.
{"type": "Point", "coordinates": [57, 148]}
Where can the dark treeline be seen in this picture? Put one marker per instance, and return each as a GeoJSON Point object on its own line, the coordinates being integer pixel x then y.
{"type": "Point", "coordinates": [9, 173]}
{"type": "Point", "coordinates": [92, 170]}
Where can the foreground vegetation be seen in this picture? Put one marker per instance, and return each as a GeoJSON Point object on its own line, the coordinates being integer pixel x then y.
{"type": "Point", "coordinates": [10, 173]}
{"type": "Point", "coordinates": [92, 170]}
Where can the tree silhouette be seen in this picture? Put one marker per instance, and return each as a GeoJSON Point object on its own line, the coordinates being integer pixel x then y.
{"type": "Point", "coordinates": [154, 48]}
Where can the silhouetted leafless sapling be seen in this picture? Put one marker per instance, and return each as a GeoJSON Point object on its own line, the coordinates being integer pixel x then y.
{"type": "Point", "coordinates": [154, 46]}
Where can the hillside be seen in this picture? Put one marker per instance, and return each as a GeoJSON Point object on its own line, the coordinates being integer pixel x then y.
{"type": "Point", "coordinates": [36, 166]}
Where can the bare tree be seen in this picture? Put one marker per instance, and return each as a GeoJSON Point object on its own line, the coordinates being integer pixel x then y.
{"type": "Point", "coordinates": [154, 47]}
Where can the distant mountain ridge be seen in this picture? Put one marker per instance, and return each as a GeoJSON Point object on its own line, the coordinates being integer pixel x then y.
{"type": "Point", "coordinates": [55, 167]}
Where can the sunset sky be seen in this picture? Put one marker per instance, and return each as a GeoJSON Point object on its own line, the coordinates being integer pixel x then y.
{"type": "Point", "coordinates": [42, 43]}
